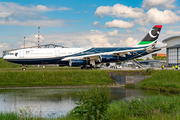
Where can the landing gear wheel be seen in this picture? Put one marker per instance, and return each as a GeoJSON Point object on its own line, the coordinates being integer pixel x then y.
{"type": "Point", "coordinates": [23, 68]}
{"type": "Point", "coordinates": [83, 67]}
{"type": "Point", "coordinates": [91, 66]}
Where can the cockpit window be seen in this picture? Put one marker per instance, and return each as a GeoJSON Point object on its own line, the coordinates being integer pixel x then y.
{"type": "Point", "coordinates": [10, 54]}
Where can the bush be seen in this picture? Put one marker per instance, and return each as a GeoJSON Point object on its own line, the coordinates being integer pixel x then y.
{"type": "Point", "coordinates": [93, 103]}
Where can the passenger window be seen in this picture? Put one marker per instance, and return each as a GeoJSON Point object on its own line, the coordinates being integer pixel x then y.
{"type": "Point", "coordinates": [10, 54]}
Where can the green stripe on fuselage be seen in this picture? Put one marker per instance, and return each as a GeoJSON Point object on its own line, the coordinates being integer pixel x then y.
{"type": "Point", "coordinates": [145, 42]}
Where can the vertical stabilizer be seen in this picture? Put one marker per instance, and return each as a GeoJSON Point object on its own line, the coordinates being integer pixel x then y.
{"type": "Point", "coordinates": [151, 37]}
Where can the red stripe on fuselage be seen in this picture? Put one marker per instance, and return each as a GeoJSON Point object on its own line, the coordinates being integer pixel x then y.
{"type": "Point", "coordinates": [158, 26]}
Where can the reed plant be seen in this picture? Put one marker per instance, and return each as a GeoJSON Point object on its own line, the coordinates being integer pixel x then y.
{"type": "Point", "coordinates": [93, 104]}
{"type": "Point", "coordinates": [145, 108]}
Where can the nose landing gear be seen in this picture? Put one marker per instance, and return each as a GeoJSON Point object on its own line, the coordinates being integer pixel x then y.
{"type": "Point", "coordinates": [23, 68]}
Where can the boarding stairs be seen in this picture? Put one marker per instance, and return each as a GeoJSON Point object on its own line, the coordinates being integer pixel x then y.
{"type": "Point", "coordinates": [135, 62]}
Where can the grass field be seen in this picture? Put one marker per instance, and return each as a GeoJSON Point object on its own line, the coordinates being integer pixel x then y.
{"type": "Point", "coordinates": [54, 78]}
{"type": "Point", "coordinates": [11, 75]}
{"type": "Point", "coordinates": [163, 80]}
{"type": "Point", "coordinates": [5, 64]}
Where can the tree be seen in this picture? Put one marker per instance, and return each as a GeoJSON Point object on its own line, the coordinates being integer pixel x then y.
{"type": "Point", "coordinates": [159, 58]}
{"type": "Point", "coordinates": [147, 58]}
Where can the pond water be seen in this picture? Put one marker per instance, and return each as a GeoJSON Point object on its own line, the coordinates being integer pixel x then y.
{"type": "Point", "coordinates": [56, 102]}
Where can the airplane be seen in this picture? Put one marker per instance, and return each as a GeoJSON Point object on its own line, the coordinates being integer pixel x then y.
{"type": "Point", "coordinates": [84, 57]}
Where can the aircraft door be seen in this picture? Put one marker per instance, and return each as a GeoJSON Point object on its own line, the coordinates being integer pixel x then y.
{"type": "Point", "coordinates": [57, 53]}
{"type": "Point", "coordinates": [21, 54]}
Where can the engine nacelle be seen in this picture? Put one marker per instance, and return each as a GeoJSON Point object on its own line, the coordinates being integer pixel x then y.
{"type": "Point", "coordinates": [74, 63]}
{"type": "Point", "coordinates": [108, 58]}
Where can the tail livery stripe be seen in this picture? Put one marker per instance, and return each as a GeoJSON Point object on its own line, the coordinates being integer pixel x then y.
{"type": "Point", "coordinates": [158, 26]}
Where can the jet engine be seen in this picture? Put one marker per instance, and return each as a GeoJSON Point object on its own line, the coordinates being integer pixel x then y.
{"type": "Point", "coordinates": [108, 58]}
{"type": "Point", "coordinates": [74, 63]}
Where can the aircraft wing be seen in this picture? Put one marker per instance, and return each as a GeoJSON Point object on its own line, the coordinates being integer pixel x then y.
{"type": "Point", "coordinates": [122, 53]}
{"type": "Point", "coordinates": [96, 56]}
{"type": "Point", "coordinates": [160, 48]}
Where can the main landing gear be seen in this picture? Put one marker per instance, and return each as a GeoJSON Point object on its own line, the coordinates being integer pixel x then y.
{"type": "Point", "coordinates": [23, 68]}
{"type": "Point", "coordinates": [86, 67]}
{"type": "Point", "coordinates": [89, 67]}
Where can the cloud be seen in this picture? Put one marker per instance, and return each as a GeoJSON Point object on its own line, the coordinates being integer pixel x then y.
{"type": "Point", "coordinates": [119, 10]}
{"type": "Point", "coordinates": [95, 31]}
{"type": "Point", "coordinates": [5, 14]}
{"type": "Point", "coordinates": [142, 29]}
{"type": "Point", "coordinates": [174, 27]}
{"type": "Point", "coordinates": [171, 32]}
{"type": "Point", "coordinates": [10, 9]}
{"type": "Point", "coordinates": [4, 45]}
{"type": "Point", "coordinates": [113, 33]}
{"type": "Point", "coordinates": [29, 44]}
{"type": "Point", "coordinates": [163, 4]}
{"type": "Point", "coordinates": [84, 39]}
{"type": "Point", "coordinates": [63, 8]}
{"type": "Point", "coordinates": [128, 31]}
{"type": "Point", "coordinates": [155, 16]}
{"type": "Point", "coordinates": [99, 41]}
{"type": "Point", "coordinates": [129, 42]}
{"type": "Point", "coordinates": [119, 24]}
{"type": "Point", "coordinates": [178, 12]}
{"type": "Point", "coordinates": [92, 5]}
{"type": "Point", "coordinates": [93, 38]}
{"type": "Point", "coordinates": [32, 40]}
{"type": "Point", "coordinates": [96, 23]}
{"type": "Point", "coordinates": [44, 23]}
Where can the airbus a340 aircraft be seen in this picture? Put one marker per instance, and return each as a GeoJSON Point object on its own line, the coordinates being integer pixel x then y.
{"type": "Point", "coordinates": [83, 57]}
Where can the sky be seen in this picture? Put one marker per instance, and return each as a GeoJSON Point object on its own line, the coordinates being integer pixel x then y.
{"type": "Point", "coordinates": [85, 23]}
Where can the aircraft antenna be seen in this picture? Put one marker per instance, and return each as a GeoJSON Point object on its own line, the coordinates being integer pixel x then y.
{"type": "Point", "coordinates": [24, 42]}
{"type": "Point", "coordinates": [38, 35]}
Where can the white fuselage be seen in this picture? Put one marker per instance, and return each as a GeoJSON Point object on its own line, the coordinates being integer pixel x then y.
{"type": "Point", "coordinates": [41, 53]}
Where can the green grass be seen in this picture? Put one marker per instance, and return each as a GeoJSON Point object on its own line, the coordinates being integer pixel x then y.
{"type": "Point", "coordinates": [163, 80]}
{"type": "Point", "coordinates": [132, 72]}
{"type": "Point", "coordinates": [54, 78]}
{"type": "Point", "coordinates": [17, 116]}
{"type": "Point", "coordinates": [152, 108]}
{"type": "Point", "coordinates": [9, 116]}
{"type": "Point", "coordinates": [5, 64]}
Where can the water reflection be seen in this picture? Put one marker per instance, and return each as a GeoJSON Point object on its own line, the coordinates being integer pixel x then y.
{"type": "Point", "coordinates": [56, 102]}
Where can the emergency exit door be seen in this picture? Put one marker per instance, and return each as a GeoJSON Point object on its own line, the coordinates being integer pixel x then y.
{"type": "Point", "coordinates": [21, 54]}
{"type": "Point", "coordinates": [57, 53]}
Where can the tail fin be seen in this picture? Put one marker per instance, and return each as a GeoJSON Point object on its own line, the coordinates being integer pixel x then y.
{"type": "Point", "coordinates": [151, 37]}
